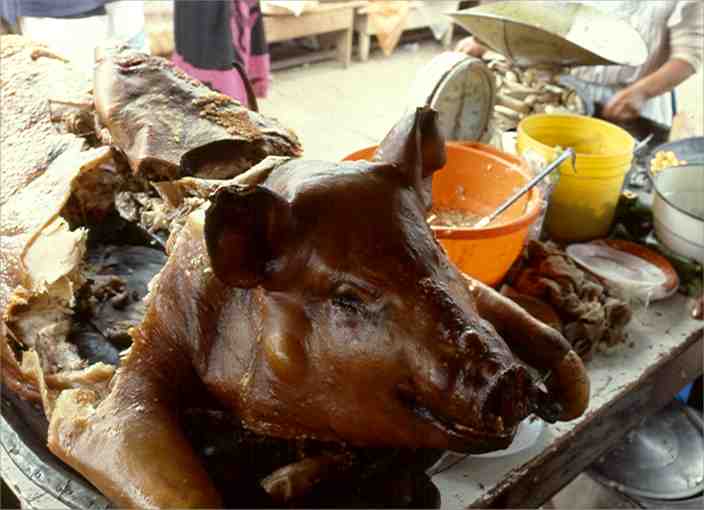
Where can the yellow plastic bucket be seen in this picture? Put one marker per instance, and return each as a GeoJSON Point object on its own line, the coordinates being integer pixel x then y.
{"type": "Point", "coordinates": [583, 203]}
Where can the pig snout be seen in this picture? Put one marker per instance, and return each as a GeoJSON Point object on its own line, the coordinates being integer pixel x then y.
{"type": "Point", "coordinates": [502, 391]}
{"type": "Point", "coordinates": [508, 398]}
{"type": "Point", "coordinates": [471, 387]}
{"type": "Point", "coordinates": [506, 393]}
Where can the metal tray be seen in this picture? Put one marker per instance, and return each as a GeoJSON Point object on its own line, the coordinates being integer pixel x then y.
{"type": "Point", "coordinates": [660, 460]}
{"type": "Point", "coordinates": [553, 33]}
{"type": "Point", "coordinates": [23, 439]}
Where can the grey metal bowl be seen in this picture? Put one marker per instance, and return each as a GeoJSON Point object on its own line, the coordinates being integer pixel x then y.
{"type": "Point", "coordinates": [690, 150]}
{"type": "Point", "coordinates": [678, 210]}
{"type": "Point", "coordinates": [660, 460]}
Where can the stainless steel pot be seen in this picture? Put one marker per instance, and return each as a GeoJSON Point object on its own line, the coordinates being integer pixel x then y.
{"type": "Point", "coordinates": [678, 210]}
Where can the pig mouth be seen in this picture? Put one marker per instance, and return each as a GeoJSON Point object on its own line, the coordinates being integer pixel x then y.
{"type": "Point", "coordinates": [491, 434]}
{"type": "Point", "coordinates": [493, 427]}
{"type": "Point", "coordinates": [493, 424]}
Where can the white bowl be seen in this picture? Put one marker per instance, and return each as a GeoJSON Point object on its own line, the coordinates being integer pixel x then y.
{"type": "Point", "coordinates": [678, 210]}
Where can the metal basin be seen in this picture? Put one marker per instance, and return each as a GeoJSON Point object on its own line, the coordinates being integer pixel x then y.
{"type": "Point", "coordinates": [678, 210]}
{"type": "Point", "coordinates": [690, 150]}
{"type": "Point", "coordinates": [660, 461]}
{"type": "Point", "coordinates": [554, 33]}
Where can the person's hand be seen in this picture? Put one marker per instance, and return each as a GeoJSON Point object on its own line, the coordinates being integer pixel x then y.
{"type": "Point", "coordinates": [470, 46]}
{"type": "Point", "coordinates": [626, 104]}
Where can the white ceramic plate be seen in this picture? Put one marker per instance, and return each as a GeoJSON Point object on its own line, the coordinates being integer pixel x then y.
{"type": "Point", "coordinates": [528, 432]}
{"type": "Point", "coordinates": [635, 273]}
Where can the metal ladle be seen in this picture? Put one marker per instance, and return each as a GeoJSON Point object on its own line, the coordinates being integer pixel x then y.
{"type": "Point", "coordinates": [567, 153]}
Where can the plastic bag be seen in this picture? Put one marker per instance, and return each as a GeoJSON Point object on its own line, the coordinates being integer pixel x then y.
{"type": "Point", "coordinates": [536, 163]}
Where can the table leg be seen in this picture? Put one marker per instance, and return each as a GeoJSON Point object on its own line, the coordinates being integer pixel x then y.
{"type": "Point", "coordinates": [365, 42]}
{"type": "Point", "coordinates": [447, 38]}
{"type": "Point", "coordinates": [344, 47]}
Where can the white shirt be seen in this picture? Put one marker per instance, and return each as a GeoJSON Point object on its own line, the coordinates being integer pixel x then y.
{"type": "Point", "coordinates": [670, 29]}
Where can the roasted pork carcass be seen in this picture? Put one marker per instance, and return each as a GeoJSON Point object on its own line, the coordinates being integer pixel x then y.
{"type": "Point", "coordinates": [164, 126]}
{"type": "Point", "coordinates": [307, 300]}
{"type": "Point", "coordinates": [59, 184]}
{"type": "Point", "coordinates": [316, 304]}
{"type": "Point", "coordinates": [41, 254]}
{"type": "Point", "coordinates": [168, 125]}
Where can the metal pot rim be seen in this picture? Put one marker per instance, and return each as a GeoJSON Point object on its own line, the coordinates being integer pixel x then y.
{"type": "Point", "coordinates": [667, 200]}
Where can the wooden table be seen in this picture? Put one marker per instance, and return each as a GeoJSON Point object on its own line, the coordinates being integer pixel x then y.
{"type": "Point", "coordinates": [415, 20]}
{"type": "Point", "coordinates": [336, 19]}
{"type": "Point", "coordinates": [628, 385]}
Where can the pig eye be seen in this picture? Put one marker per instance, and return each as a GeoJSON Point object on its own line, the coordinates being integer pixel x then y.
{"type": "Point", "coordinates": [351, 298]}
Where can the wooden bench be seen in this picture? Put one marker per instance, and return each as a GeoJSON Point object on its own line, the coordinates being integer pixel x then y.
{"type": "Point", "coordinates": [333, 19]}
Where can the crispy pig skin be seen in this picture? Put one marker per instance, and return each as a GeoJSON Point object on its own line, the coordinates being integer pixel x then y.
{"type": "Point", "coordinates": [40, 255]}
{"type": "Point", "coordinates": [39, 269]}
{"type": "Point", "coordinates": [29, 140]}
{"type": "Point", "coordinates": [155, 115]}
{"type": "Point", "coordinates": [31, 77]}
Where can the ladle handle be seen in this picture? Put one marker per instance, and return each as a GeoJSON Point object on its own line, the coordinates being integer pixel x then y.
{"type": "Point", "coordinates": [641, 145]}
{"type": "Point", "coordinates": [567, 153]}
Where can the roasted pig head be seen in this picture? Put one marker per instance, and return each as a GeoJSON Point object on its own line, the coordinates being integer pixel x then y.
{"type": "Point", "coordinates": [317, 304]}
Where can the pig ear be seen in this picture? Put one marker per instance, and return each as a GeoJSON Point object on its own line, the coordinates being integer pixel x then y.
{"type": "Point", "coordinates": [245, 228]}
{"type": "Point", "coordinates": [417, 147]}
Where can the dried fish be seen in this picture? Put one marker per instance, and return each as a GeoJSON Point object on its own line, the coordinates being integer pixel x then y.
{"type": "Point", "coordinates": [514, 104]}
{"type": "Point", "coordinates": [508, 112]}
{"type": "Point", "coordinates": [522, 92]}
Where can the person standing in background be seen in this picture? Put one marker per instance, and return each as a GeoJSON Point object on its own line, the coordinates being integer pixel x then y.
{"type": "Point", "coordinates": [673, 32]}
{"type": "Point", "coordinates": [219, 41]}
{"type": "Point", "coordinates": [74, 28]}
{"type": "Point", "coordinates": [126, 23]}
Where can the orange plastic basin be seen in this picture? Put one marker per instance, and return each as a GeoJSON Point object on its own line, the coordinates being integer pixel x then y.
{"type": "Point", "coordinates": [478, 178]}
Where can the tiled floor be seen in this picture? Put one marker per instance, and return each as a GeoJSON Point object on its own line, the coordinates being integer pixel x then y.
{"type": "Point", "coordinates": [336, 111]}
